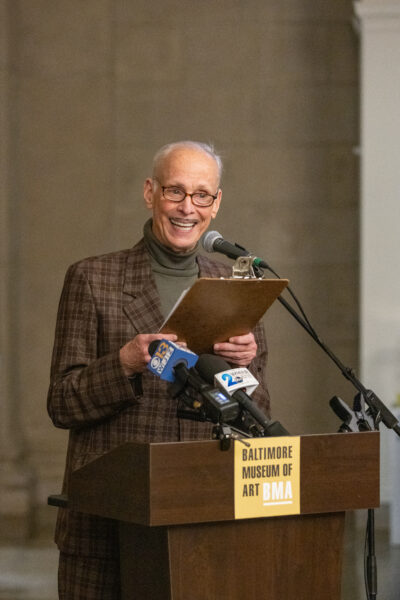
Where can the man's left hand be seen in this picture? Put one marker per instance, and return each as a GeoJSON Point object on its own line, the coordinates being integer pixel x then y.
{"type": "Point", "coordinates": [239, 350]}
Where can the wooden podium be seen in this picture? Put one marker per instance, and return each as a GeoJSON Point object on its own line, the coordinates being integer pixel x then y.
{"type": "Point", "coordinates": [179, 539]}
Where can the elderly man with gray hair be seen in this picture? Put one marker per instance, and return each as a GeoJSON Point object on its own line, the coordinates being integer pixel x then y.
{"type": "Point", "coordinates": [111, 308]}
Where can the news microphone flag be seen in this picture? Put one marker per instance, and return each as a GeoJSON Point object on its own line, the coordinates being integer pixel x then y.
{"type": "Point", "coordinates": [167, 356]}
{"type": "Point", "coordinates": [236, 379]}
{"type": "Point", "coordinates": [216, 370]}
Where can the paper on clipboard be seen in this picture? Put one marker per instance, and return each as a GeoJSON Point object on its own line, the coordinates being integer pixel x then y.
{"type": "Point", "coordinates": [213, 310]}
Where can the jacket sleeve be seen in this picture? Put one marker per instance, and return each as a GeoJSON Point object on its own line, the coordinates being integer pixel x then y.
{"type": "Point", "coordinates": [258, 368]}
{"type": "Point", "coordinates": [84, 388]}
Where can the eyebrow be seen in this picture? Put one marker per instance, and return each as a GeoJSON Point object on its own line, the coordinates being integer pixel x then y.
{"type": "Point", "coordinates": [202, 188]}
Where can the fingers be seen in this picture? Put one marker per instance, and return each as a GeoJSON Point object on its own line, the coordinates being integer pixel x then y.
{"type": "Point", "coordinates": [182, 344]}
{"type": "Point", "coordinates": [241, 359]}
{"type": "Point", "coordinates": [134, 356]}
{"type": "Point", "coordinates": [239, 350]}
{"type": "Point", "coordinates": [239, 345]}
{"type": "Point", "coordinates": [145, 340]}
{"type": "Point", "coordinates": [247, 338]}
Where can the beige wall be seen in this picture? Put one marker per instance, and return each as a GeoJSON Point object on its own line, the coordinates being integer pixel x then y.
{"type": "Point", "coordinates": [89, 90]}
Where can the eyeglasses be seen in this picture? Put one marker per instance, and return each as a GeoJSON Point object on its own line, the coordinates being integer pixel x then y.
{"type": "Point", "coordinates": [177, 194]}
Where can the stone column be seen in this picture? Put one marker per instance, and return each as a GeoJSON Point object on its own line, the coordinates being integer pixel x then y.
{"type": "Point", "coordinates": [63, 194]}
{"type": "Point", "coordinates": [380, 207]}
{"type": "Point", "coordinates": [16, 478]}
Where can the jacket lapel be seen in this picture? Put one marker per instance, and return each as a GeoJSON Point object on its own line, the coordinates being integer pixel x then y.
{"type": "Point", "coordinates": [211, 268]}
{"type": "Point", "coordinates": [141, 300]}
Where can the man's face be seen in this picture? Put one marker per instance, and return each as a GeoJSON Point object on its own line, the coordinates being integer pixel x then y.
{"type": "Point", "coordinates": [179, 226]}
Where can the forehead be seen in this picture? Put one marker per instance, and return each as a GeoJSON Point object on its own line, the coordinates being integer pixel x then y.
{"type": "Point", "coordinates": [189, 167]}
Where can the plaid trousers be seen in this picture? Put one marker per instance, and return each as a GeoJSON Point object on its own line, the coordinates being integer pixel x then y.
{"type": "Point", "coordinates": [88, 578]}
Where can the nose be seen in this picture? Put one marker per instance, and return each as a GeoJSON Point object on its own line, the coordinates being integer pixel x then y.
{"type": "Point", "coordinates": [186, 205]}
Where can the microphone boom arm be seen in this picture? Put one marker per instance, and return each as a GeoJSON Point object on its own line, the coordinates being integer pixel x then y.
{"type": "Point", "coordinates": [214, 242]}
{"type": "Point", "coordinates": [379, 410]}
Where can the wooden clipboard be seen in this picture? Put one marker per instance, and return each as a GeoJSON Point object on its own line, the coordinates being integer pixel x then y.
{"type": "Point", "coordinates": [213, 310]}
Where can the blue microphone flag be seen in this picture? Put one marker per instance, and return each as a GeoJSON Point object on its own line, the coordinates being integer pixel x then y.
{"type": "Point", "coordinates": [165, 358]}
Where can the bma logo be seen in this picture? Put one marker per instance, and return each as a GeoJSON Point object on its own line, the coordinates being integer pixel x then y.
{"type": "Point", "coordinates": [277, 492]}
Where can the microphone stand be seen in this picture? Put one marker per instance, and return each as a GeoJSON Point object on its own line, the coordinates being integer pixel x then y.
{"type": "Point", "coordinates": [247, 265]}
{"type": "Point", "coordinates": [224, 432]}
{"type": "Point", "coordinates": [379, 413]}
{"type": "Point", "coordinates": [207, 410]}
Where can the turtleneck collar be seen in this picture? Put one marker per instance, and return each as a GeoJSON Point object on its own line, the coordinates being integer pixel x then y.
{"type": "Point", "coordinates": [165, 260]}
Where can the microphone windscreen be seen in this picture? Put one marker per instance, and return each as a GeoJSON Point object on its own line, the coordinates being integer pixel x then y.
{"type": "Point", "coordinates": [209, 365]}
{"type": "Point", "coordinates": [340, 408]}
{"type": "Point", "coordinates": [153, 346]}
{"type": "Point", "coordinates": [208, 240]}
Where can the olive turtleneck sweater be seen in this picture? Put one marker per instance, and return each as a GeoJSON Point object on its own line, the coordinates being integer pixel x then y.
{"type": "Point", "coordinates": [173, 272]}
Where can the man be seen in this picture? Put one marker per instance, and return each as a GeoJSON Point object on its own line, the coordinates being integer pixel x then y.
{"type": "Point", "coordinates": [110, 310]}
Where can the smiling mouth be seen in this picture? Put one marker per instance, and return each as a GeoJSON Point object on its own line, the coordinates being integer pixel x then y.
{"type": "Point", "coordinates": [184, 225]}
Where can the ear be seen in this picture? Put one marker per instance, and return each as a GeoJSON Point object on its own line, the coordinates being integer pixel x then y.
{"type": "Point", "coordinates": [148, 191]}
{"type": "Point", "coordinates": [215, 206]}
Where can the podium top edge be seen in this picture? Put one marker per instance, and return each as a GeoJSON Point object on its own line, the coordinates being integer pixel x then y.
{"type": "Point", "coordinates": [203, 442]}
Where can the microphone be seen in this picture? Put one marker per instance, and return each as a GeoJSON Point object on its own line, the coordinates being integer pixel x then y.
{"type": "Point", "coordinates": [353, 420]}
{"type": "Point", "coordinates": [213, 241]}
{"type": "Point", "coordinates": [166, 356]}
{"type": "Point", "coordinates": [175, 364]}
{"type": "Point", "coordinates": [209, 366]}
{"type": "Point", "coordinates": [345, 414]}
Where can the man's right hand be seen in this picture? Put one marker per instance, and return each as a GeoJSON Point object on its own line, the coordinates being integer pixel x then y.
{"type": "Point", "coordinates": [134, 356]}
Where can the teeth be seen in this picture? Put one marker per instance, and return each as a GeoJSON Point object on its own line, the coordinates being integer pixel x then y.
{"type": "Point", "coordinates": [182, 225]}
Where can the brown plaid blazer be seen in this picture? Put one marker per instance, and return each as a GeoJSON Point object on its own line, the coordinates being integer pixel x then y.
{"type": "Point", "coordinates": [106, 301]}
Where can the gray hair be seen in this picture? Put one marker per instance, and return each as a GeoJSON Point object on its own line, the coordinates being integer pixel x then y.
{"type": "Point", "coordinates": [202, 147]}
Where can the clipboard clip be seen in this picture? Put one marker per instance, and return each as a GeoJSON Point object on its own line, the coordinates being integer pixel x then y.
{"type": "Point", "coordinates": [243, 268]}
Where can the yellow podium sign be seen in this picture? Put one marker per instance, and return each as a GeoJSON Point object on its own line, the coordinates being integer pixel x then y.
{"type": "Point", "coordinates": [267, 477]}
